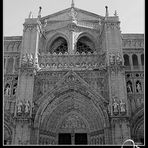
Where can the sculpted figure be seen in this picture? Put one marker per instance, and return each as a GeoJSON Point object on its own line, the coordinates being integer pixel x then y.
{"type": "Point", "coordinates": [138, 86]}
{"type": "Point", "coordinates": [119, 59]}
{"type": "Point", "coordinates": [7, 90]}
{"type": "Point", "coordinates": [122, 106]}
{"type": "Point", "coordinates": [19, 107]}
{"type": "Point", "coordinates": [129, 87]}
{"type": "Point", "coordinates": [27, 107]}
{"type": "Point", "coordinates": [115, 106]}
{"type": "Point", "coordinates": [112, 58]}
{"type": "Point", "coordinates": [24, 58]}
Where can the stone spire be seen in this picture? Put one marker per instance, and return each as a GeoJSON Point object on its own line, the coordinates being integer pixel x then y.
{"type": "Point", "coordinates": [39, 13]}
{"type": "Point", "coordinates": [107, 14]}
{"type": "Point", "coordinates": [72, 3]}
{"type": "Point", "coordinates": [115, 14]}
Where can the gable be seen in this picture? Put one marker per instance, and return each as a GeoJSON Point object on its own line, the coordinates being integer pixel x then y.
{"type": "Point", "coordinates": [67, 15]}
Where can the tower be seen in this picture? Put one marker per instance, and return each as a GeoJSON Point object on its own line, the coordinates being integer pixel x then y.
{"type": "Point", "coordinates": [119, 109]}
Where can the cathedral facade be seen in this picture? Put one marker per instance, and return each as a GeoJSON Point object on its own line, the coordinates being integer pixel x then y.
{"type": "Point", "coordinates": [73, 78]}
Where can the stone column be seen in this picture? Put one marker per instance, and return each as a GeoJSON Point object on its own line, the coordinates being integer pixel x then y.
{"type": "Point", "coordinates": [139, 62]}
{"type": "Point", "coordinates": [6, 63]}
{"type": "Point", "coordinates": [14, 64]}
{"type": "Point", "coordinates": [131, 61]}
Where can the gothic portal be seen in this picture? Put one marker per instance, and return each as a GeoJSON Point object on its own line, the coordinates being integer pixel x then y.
{"type": "Point", "coordinates": [73, 78]}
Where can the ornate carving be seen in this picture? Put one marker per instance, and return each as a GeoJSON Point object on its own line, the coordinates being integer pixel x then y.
{"type": "Point", "coordinates": [113, 25]}
{"type": "Point", "coordinates": [27, 59]}
{"type": "Point", "coordinates": [119, 59]}
{"type": "Point", "coordinates": [115, 107]}
{"type": "Point", "coordinates": [7, 90]}
{"type": "Point", "coordinates": [112, 58]}
{"type": "Point", "coordinates": [23, 108]}
{"type": "Point", "coordinates": [126, 43]}
{"type": "Point", "coordinates": [29, 27]}
{"type": "Point", "coordinates": [122, 107]}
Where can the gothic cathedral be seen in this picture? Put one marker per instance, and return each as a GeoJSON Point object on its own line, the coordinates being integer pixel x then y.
{"type": "Point", "coordinates": [73, 78]}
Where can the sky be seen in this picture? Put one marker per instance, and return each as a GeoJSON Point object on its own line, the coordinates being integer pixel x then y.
{"type": "Point", "coordinates": [131, 12]}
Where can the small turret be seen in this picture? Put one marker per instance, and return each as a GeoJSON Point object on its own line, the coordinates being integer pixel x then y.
{"type": "Point", "coordinates": [107, 14]}
{"type": "Point", "coordinates": [72, 4]}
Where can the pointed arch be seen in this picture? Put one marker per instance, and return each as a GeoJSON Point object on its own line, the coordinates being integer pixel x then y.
{"type": "Point", "coordinates": [85, 43]}
{"type": "Point", "coordinates": [58, 43]}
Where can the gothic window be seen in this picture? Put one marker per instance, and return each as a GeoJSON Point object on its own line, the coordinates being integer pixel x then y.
{"type": "Point", "coordinates": [142, 59]}
{"type": "Point", "coordinates": [84, 44]}
{"type": "Point", "coordinates": [129, 87]}
{"type": "Point", "coordinates": [9, 68]}
{"type": "Point", "coordinates": [7, 90]}
{"type": "Point", "coordinates": [59, 45]}
{"type": "Point", "coordinates": [138, 86]}
{"type": "Point", "coordinates": [126, 60]}
{"type": "Point", "coordinates": [135, 60]}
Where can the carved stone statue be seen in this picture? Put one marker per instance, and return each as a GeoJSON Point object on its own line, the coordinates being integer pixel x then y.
{"type": "Point", "coordinates": [7, 90]}
{"type": "Point", "coordinates": [19, 107]}
{"type": "Point", "coordinates": [115, 107]}
{"type": "Point", "coordinates": [122, 107]}
{"type": "Point", "coordinates": [112, 59]}
{"type": "Point", "coordinates": [24, 59]}
{"type": "Point", "coordinates": [129, 87]}
{"type": "Point", "coordinates": [119, 59]}
{"type": "Point", "coordinates": [27, 107]}
{"type": "Point", "coordinates": [138, 87]}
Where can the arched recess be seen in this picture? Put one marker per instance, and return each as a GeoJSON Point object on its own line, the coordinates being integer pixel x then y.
{"type": "Point", "coordinates": [85, 43]}
{"type": "Point", "coordinates": [137, 126]}
{"type": "Point", "coordinates": [126, 60]}
{"type": "Point", "coordinates": [67, 100]}
{"type": "Point", "coordinates": [57, 43]}
{"type": "Point", "coordinates": [7, 134]}
{"type": "Point", "coordinates": [135, 60]}
{"type": "Point", "coordinates": [142, 59]}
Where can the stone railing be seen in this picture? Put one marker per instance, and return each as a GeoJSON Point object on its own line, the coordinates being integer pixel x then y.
{"type": "Point", "coordinates": [76, 62]}
{"type": "Point", "coordinates": [132, 43]}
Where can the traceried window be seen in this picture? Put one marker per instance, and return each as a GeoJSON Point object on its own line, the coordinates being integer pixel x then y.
{"type": "Point", "coordinates": [126, 60]}
{"type": "Point", "coordinates": [85, 44]}
{"type": "Point", "coordinates": [59, 45]}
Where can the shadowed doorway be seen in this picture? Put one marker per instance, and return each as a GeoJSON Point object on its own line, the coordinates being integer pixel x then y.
{"type": "Point", "coordinates": [80, 138]}
{"type": "Point", "coordinates": [66, 139]}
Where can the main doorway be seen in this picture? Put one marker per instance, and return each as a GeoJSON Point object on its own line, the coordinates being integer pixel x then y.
{"type": "Point", "coordinates": [69, 139]}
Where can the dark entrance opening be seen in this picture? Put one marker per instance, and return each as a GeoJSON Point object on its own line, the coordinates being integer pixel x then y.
{"type": "Point", "coordinates": [64, 138]}
{"type": "Point", "coordinates": [80, 138]}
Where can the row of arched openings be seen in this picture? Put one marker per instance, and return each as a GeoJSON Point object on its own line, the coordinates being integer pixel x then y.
{"type": "Point", "coordinates": [134, 60]}
{"type": "Point", "coordinates": [60, 45]}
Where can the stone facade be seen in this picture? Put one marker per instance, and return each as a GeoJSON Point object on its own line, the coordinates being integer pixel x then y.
{"type": "Point", "coordinates": [73, 72]}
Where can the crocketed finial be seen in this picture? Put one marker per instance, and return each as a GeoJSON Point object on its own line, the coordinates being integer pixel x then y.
{"type": "Point", "coordinates": [39, 14]}
{"type": "Point", "coordinates": [72, 3]}
{"type": "Point", "coordinates": [107, 14]}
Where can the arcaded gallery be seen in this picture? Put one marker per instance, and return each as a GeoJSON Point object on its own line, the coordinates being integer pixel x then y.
{"type": "Point", "coordinates": [73, 78]}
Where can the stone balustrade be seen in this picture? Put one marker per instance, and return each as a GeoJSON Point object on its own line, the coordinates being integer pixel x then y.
{"type": "Point", "coordinates": [76, 61]}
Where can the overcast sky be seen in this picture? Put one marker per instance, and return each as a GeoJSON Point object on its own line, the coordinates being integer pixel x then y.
{"type": "Point", "coordinates": [131, 12]}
